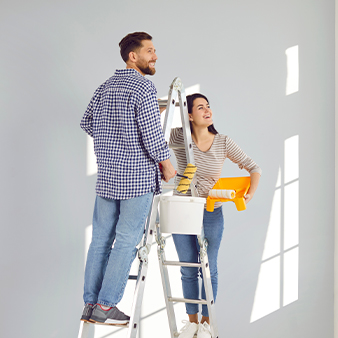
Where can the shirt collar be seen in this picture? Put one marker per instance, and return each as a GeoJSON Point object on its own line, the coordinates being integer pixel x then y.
{"type": "Point", "coordinates": [129, 71]}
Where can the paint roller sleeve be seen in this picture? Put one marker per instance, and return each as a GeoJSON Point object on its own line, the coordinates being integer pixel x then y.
{"type": "Point", "coordinates": [184, 184]}
{"type": "Point", "coordinates": [222, 193]}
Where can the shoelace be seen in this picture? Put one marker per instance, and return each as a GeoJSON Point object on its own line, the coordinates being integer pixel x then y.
{"type": "Point", "coordinates": [187, 323]}
{"type": "Point", "coordinates": [88, 308]}
{"type": "Point", "coordinates": [205, 328]}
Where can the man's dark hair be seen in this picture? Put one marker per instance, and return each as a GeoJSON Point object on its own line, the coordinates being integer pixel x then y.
{"type": "Point", "coordinates": [132, 42]}
{"type": "Point", "coordinates": [190, 103]}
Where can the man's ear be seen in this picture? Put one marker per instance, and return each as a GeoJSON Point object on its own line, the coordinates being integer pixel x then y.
{"type": "Point", "coordinates": [132, 56]}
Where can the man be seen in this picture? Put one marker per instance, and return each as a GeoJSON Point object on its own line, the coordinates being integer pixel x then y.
{"type": "Point", "coordinates": [124, 120]}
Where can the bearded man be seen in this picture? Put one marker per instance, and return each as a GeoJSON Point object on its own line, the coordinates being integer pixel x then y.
{"type": "Point", "coordinates": [123, 118]}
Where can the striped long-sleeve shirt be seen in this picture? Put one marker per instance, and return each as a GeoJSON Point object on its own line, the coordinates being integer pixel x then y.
{"type": "Point", "coordinates": [209, 163]}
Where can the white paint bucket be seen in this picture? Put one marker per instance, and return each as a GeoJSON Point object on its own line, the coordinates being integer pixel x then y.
{"type": "Point", "coordinates": [181, 214]}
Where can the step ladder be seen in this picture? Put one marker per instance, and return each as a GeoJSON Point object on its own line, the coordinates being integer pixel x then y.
{"type": "Point", "coordinates": [152, 228]}
{"type": "Point", "coordinates": [177, 90]}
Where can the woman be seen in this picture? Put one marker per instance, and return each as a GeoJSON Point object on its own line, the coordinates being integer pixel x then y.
{"type": "Point", "coordinates": [210, 151]}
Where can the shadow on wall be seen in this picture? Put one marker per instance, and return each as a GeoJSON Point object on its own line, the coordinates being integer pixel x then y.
{"type": "Point", "coordinates": [276, 270]}
{"type": "Point", "coordinates": [278, 277]}
{"type": "Point", "coordinates": [277, 284]}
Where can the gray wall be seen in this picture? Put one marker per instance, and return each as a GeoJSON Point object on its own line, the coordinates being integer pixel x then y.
{"type": "Point", "coordinates": [336, 183]}
{"type": "Point", "coordinates": [53, 56]}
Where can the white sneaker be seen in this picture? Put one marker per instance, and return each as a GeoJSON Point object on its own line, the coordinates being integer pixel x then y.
{"type": "Point", "coordinates": [188, 330]}
{"type": "Point", "coordinates": [204, 330]}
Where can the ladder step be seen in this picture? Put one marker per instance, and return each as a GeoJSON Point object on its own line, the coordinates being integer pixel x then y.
{"type": "Point", "coordinates": [186, 300]}
{"type": "Point", "coordinates": [176, 147]}
{"type": "Point", "coordinates": [169, 186]}
{"type": "Point", "coordinates": [163, 103]}
{"type": "Point", "coordinates": [174, 263]}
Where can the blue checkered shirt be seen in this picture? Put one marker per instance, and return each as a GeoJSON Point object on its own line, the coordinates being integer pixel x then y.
{"type": "Point", "coordinates": [123, 117]}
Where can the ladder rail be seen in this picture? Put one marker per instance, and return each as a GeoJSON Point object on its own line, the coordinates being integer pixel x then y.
{"type": "Point", "coordinates": [207, 285]}
{"type": "Point", "coordinates": [177, 92]}
{"type": "Point", "coordinates": [84, 329]}
{"type": "Point", "coordinates": [143, 269]}
{"type": "Point", "coordinates": [171, 103]}
{"type": "Point", "coordinates": [189, 150]}
{"type": "Point", "coordinates": [177, 88]}
{"type": "Point", "coordinates": [166, 284]}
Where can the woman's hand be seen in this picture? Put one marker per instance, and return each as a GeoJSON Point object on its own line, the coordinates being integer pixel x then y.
{"type": "Point", "coordinates": [247, 198]}
{"type": "Point", "coordinates": [253, 186]}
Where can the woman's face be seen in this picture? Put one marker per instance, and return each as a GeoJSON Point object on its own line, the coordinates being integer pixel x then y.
{"type": "Point", "coordinates": [201, 114]}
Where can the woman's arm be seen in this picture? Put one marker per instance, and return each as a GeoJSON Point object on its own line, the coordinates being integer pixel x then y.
{"type": "Point", "coordinates": [237, 155]}
{"type": "Point", "coordinates": [253, 186]}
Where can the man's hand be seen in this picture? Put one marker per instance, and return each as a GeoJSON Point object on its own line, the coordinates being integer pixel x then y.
{"type": "Point", "coordinates": [168, 171]}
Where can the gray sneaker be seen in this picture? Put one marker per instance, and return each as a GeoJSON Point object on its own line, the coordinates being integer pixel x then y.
{"type": "Point", "coordinates": [87, 312]}
{"type": "Point", "coordinates": [112, 317]}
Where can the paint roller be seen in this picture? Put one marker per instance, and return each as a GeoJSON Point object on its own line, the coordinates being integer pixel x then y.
{"type": "Point", "coordinates": [222, 193]}
{"type": "Point", "coordinates": [186, 179]}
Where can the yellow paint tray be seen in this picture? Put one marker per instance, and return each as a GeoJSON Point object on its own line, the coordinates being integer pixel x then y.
{"type": "Point", "coordinates": [240, 184]}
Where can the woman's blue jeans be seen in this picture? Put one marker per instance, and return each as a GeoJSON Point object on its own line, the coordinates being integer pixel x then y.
{"type": "Point", "coordinates": [188, 248]}
{"type": "Point", "coordinates": [118, 226]}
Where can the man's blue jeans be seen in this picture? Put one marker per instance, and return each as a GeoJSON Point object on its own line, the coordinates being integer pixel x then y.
{"type": "Point", "coordinates": [118, 222]}
{"type": "Point", "coordinates": [188, 248]}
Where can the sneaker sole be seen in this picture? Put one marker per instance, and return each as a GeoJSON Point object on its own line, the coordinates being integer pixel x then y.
{"type": "Point", "coordinates": [110, 322]}
{"type": "Point", "coordinates": [85, 320]}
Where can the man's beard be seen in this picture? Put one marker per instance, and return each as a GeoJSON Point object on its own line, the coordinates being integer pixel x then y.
{"type": "Point", "coordinates": [145, 69]}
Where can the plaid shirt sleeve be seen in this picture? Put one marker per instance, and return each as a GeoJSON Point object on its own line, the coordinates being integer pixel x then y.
{"type": "Point", "coordinates": [87, 120]}
{"type": "Point", "coordinates": [149, 123]}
